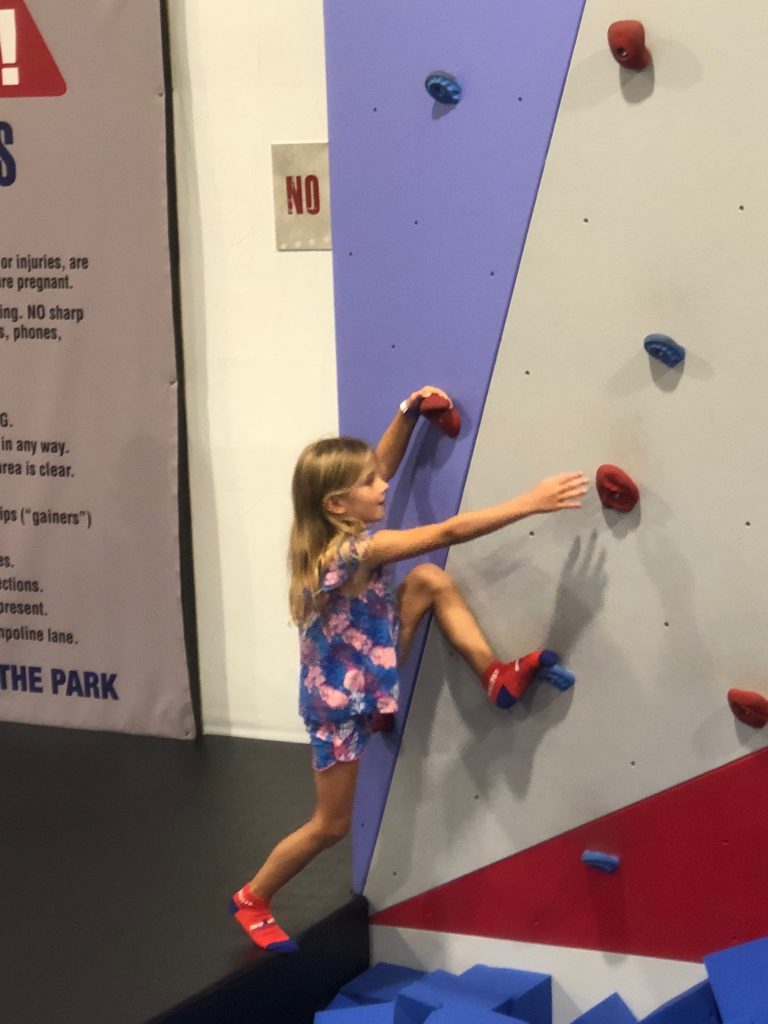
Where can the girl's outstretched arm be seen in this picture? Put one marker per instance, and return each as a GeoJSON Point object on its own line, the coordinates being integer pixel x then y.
{"type": "Point", "coordinates": [394, 441]}
{"type": "Point", "coordinates": [551, 495]}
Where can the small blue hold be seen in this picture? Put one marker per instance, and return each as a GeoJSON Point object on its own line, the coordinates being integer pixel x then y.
{"type": "Point", "coordinates": [602, 861]}
{"type": "Point", "coordinates": [663, 348]}
{"type": "Point", "coordinates": [558, 676]}
{"type": "Point", "coordinates": [443, 87]}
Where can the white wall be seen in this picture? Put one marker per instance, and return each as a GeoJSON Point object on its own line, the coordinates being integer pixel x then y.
{"type": "Point", "coordinates": [258, 338]}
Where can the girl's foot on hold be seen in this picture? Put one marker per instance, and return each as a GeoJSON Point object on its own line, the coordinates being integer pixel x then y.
{"type": "Point", "coordinates": [506, 682]}
{"type": "Point", "coordinates": [255, 918]}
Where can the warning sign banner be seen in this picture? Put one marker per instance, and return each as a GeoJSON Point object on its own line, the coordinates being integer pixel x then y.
{"type": "Point", "coordinates": [91, 623]}
{"type": "Point", "coordinates": [26, 65]}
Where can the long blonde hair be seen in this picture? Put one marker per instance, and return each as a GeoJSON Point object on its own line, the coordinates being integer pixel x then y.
{"type": "Point", "coordinates": [325, 468]}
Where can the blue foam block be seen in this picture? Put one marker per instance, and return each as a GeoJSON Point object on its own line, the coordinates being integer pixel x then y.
{"type": "Point", "coordinates": [440, 989]}
{"type": "Point", "coordinates": [380, 983]}
{"type": "Point", "coordinates": [607, 862]}
{"type": "Point", "coordinates": [695, 1006]}
{"type": "Point", "coordinates": [612, 1010]}
{"type": "Point", "coordinates": [375, 1013]}
{"type": "Point", "coordinates": [457, 1013]}
{"type": "Point", "coordinates": [525, 994]}
{"type": "Point", "coordinates": [341, 1002]}
{"type": "Point", "coordinates": [739, 980]}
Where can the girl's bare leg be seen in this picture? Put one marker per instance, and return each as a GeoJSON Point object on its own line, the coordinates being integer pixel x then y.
{"type": "Point", "coordinates": [335, 789]}
{"type": "Point", "coordinates": [428, 588]}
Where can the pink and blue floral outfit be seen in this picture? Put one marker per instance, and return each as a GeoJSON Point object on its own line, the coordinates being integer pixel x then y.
{"type": "Point", "coordinates": [348, 659]}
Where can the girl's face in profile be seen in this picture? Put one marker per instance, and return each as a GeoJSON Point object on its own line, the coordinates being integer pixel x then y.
{"type": "Point", "coordinates": [366, 500]}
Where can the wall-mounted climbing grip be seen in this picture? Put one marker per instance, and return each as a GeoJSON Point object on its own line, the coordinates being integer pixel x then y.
{"type": "Point", "coordinates": [443, 87]}
{"type": "Point", "coordinates": [749, 707]}
{"type": "Point", "coordinates": [627, 42]}
{"type": "Point", "coordinates": [664, 348]}
{"type": "Point", "coordinates": [439, 411]}
{"type": "Point", "coordinates": [616, 489]}
{"type": "Point", "coordinates": [607, 862]}
{"type": "Point", "coordinates": [557, 676]}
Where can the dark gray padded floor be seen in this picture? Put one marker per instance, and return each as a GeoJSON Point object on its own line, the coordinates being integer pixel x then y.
{"type": "Point", "coordinates": [118, 857]}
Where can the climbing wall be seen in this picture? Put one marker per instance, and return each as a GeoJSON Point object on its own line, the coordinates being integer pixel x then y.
{"type": "Point", "coordinates": [650, 216]}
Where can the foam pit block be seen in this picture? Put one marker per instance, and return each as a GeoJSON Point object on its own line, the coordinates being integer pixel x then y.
{"type": "Point", "coordinates": [612, 1010]}
{"type": "Point", "coordinates": [739, 980]}
{"type": "Point", "coordinates": [525, 994]}
{"type": "Point", "coordinates": [440, 989]}
{"type": "Point", "coordinates": [375, 1013]}
{"type": "Point", "coordinates": [341, 1002]}
{"type": "Point", "coordinates": [459, 1014]}
{"type": "Point", "coordinates": [380, 983]}
{"type": "Point", "coordinates": [694, 1006]}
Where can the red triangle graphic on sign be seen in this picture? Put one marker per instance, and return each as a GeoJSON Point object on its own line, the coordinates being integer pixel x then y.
{"type": "Point", "coordinates": [692, 877]}
{"type": "Point", "coordinates": [26, 65]}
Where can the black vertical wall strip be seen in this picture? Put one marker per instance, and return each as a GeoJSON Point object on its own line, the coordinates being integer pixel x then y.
{"type": "Point", "coordinates": [185, 512]}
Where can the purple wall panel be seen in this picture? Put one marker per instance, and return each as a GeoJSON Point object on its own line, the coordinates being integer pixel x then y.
{"type": "Point", "coordinates": [430, 210]}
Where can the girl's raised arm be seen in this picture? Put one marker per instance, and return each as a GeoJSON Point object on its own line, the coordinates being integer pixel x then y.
{"type": "Point", "coordinates": [394, 441]}
{"type": "Point", "coordinates": [551, 495]}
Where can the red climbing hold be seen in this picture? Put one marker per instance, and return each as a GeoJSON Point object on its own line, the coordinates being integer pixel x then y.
{"type": "Point", "coordinates": [439, 411]}
{"type": "Point", "coordinates": [749, 707]}
{"type": "Point", "coordinates": [616, 490]}
{"type": "Point", "coordinates": [627, 42]}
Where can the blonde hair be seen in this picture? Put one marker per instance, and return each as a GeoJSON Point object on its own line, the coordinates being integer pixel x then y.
{"type": "Point", "coordinates": [325, 468]}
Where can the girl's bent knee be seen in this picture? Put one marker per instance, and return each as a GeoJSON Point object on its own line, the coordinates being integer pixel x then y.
{"type": "Point", "coordinates": [430, 578]}
{"type": "Point", "coordinates": [335, 834]}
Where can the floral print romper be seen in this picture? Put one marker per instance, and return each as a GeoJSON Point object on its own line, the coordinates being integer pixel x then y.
{"type": "Point", "coordinates": [348, 658]}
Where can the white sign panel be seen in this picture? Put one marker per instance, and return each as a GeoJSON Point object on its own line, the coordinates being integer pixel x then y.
{"type": "Point", "coordinates": [302, 195]}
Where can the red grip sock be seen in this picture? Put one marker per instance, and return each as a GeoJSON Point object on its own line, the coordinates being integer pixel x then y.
{"type": "Point", "coordinates": [255, 918]}
{"type": "Point", "coordinates": [506, 682]}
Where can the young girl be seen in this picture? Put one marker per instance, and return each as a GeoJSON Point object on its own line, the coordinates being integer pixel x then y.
{"type": "Point", "coordinates": [354, 630]}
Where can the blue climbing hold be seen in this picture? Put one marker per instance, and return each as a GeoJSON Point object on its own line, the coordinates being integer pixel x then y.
{"type": "Point", "coordinates": [602, 861]}
{"type": "Point", "coordinates": [665, 349]}
{"type": "Point", "coordinates": [443, 87]}
{"type": "Point", "coordinates": [557, 676]}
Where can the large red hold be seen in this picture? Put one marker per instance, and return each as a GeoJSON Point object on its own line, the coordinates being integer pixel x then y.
{"type": "Point", "coordinates": [440, 412]}
{"type": "Point", "coordinates": [627, 42]}
{"type": "Point", "coordinates": [749, 707]}
{"type": "Point", "coordinates": [615, 489]}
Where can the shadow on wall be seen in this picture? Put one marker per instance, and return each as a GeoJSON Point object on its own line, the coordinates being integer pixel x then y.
{"type": "Point", "coordinates": [593, 80]}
